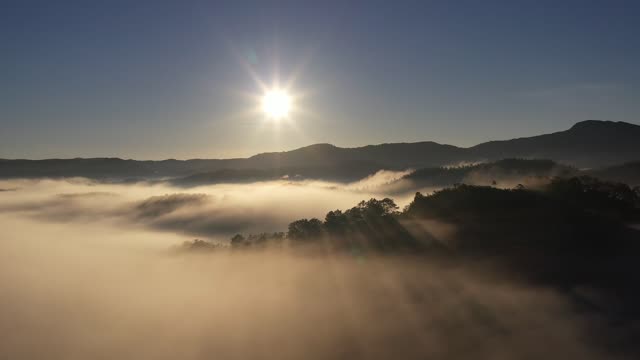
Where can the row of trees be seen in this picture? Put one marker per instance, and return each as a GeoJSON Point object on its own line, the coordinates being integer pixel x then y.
{"type": "Point", "coordinates": [486, 215]}
{"type": "Point", "coordinates": [371, 223]}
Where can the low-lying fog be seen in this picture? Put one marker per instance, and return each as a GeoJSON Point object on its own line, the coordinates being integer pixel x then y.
{"type": "Point", "coordinates": [86, 272]}
{"type": "Point", "coordinates": [212, 212]}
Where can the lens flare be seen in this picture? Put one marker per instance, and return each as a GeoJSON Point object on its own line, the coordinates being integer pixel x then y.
{"type": "Point", "coordinates": [276, 104]}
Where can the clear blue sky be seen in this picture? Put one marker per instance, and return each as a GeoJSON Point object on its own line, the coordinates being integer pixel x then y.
{"type": "Point", "coordinates": [158, 79]}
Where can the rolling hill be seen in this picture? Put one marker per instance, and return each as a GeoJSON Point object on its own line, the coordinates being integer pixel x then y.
{"type": "Point", "coordinates": [587, 144]}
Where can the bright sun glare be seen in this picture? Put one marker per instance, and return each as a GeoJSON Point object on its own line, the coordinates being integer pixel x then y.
{"type": "Point", "coordinates": [276, 104]}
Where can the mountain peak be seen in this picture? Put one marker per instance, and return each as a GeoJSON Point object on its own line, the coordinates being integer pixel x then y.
{"type": "Point", "coordinates": [319, 146]}
{"type": "Point", "coordinates": [599, 124]}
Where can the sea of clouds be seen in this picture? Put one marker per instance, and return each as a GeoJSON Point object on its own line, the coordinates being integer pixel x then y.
{"type": "Point", "coordinates": [86, 273]}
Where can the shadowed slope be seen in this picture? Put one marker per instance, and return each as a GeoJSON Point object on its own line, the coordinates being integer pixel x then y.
{"type": "Point", "coordinates": [587, 144]}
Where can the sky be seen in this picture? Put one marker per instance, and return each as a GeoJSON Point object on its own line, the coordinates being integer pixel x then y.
{"type": "Point", "coordinates": [183, 79]}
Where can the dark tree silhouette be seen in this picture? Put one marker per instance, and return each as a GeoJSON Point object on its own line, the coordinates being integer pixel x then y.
{"type": "Point", "coordinates": [336, 223]}
{"type": "Point", "coordinates": [237, 241]}
{"type": "Point", "coordinates": [305, 229]}
{"type": "Point", "coordinates": [568, 218]}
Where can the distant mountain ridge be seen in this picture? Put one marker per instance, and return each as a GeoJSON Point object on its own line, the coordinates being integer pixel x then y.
{"type": "Point", "coordinates": [587, 144]}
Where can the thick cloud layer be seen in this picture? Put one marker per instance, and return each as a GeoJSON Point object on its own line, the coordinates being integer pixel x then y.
{"type": "Point", "coordinates": [85, 274]}
{"type": "Point", "coordinates": [91, 292]}
{"type": "Point", "coordinates": [213, 212]}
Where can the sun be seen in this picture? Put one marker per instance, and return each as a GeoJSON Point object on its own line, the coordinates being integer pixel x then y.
{"type": "Point", "coordinates": [276, 104]}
